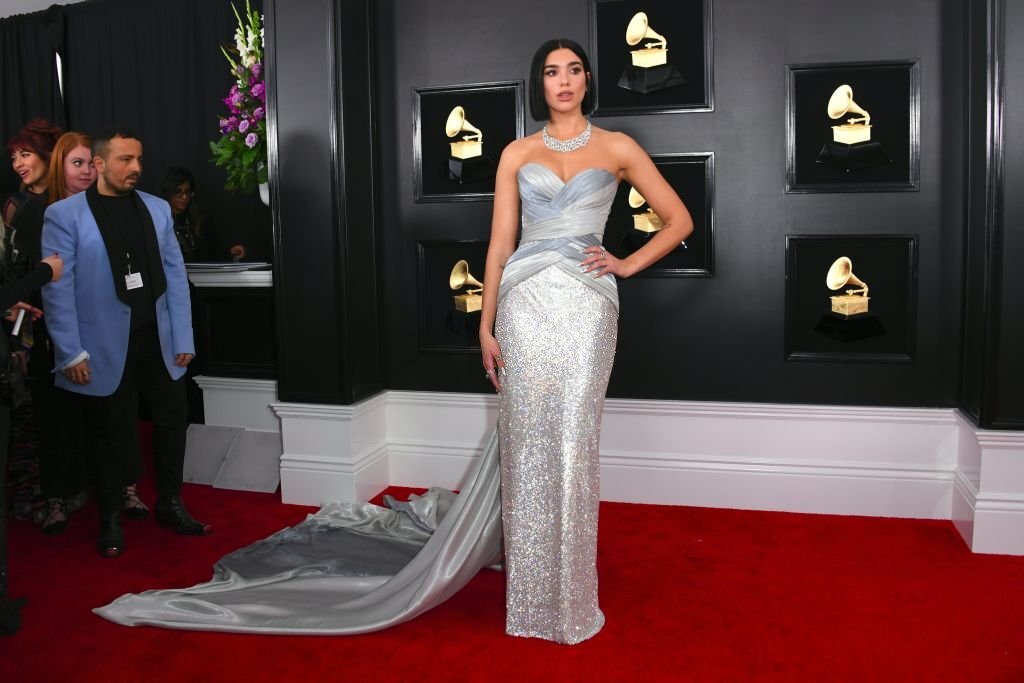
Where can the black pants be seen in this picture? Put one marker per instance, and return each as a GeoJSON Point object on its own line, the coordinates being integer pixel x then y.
{"type": "Point", "coordinates": [63, 452]}
{"type": "Point", "coordinates": [144, 374]}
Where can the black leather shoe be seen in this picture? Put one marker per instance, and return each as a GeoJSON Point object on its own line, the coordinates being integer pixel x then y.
{"type": "Point", "coordinates": [111, 540]}
{"type": "Point", "coordinates": [170, 511]}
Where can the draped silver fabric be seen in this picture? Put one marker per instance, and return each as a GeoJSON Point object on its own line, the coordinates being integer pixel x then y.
{"type": "Point", "coordinates": [350, 568]}
{"type": "Point", "coordinates": [560, 220]}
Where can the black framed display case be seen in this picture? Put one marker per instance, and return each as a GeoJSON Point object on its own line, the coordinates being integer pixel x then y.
{"type": "Point", "coordinates": [678, 78]}
{"type": "Point", "coordinates": [692, 176]}
{"type": "Point", "coordinates": [830, 318]}
{"type": "Point", "coordinates": [442, 327]}
{"type": "Point", "coordinates": [827, 153]}
{"type": "Point", "coordinates": [451, 116]}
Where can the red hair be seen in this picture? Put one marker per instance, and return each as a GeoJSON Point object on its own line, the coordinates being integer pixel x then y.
{"type": "Point", "coordinates": [38, 136]}
{"type": "Point", "coordinates": [67, 142]}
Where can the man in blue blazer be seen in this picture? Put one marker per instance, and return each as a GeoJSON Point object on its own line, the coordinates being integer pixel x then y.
{"type": "Point", "coordinates": [121, 324]}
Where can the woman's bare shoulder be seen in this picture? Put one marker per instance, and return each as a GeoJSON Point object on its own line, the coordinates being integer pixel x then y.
{"type": "Point", "coordinates": [519, 151]}
{"type": "Point", "coordinates": [618, 146]}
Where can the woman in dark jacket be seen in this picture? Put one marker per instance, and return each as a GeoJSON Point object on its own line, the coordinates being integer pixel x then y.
{"type": "Point", "coordinates": [196, 237]}
{"type": "Point", "coordinates": [12, 296]}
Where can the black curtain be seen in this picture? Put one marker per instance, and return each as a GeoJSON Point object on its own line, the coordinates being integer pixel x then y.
{"type": "Point", "coordinates": [156, 67]}
{"type": "Point", "coordinates": [28, 76]}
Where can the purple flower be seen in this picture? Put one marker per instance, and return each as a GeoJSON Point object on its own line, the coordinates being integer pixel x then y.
{"type": "Point", "coordinates": [258, 91]}
{"type": "Point", "coordinates": [237, 100]}
{"type": "Point", "coordinates": [243, 126]}
{"type": "Point", "coordinates": [257, 114]}
{"type": "Point", "coordinates": [229, 124]}
{"type": "Point", "coordinates": [257, 69]}
{"type": "Point", "coordinates": [251, 139]}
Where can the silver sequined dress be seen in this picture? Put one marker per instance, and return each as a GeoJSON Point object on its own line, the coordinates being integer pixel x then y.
{"type": "Point", "coordinates": [557, 327]}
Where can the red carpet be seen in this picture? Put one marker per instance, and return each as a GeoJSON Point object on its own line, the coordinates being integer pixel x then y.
{"type": "Point", "coordinates": [690, 594]}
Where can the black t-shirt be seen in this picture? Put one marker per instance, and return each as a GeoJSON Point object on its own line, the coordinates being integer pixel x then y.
{"type": "Point", "coordinates": [124, 217]}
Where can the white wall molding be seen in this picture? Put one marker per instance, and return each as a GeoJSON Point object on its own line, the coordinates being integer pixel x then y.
{"type": "Point", "coordinates": [233, 279]}
{"type": "Point", "coordinates": [891, 462]}
{"type": "Point", "coordinates": [234, 402]}
{"type": "Point", "coordinates": [333, 452]}
{"type": "Point", "coordinates": [988, 504]}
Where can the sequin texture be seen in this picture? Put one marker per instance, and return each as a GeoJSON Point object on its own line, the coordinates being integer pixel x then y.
{"type": "Point", "coordinates": [557, 336]}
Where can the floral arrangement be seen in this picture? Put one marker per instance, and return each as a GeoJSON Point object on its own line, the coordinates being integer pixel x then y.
{"type": "Point", "coordinates": [242, 147]}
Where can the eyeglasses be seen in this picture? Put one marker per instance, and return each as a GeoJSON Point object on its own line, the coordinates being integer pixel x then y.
{"type": "Point", "coordinates": [184, 193]}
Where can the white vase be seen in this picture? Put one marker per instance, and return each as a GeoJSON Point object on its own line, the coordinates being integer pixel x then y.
{"type": "Point", "coordinates": [265, 193]}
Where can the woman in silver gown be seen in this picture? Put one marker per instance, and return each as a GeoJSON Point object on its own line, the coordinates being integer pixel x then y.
{"type": "Point", "coordinates": [547, 337]}
{"type": "Point", "coordinates": [554, 321]}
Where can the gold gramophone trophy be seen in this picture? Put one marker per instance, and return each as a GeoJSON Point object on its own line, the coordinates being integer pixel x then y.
{"type": "Point", "coordinates": [649, 69]}
{"type": "Point", "coordinates": [646, 224]}
{"type": "Point", "coordinates": [851, 148]}
{"type": "Point", "coordinates": [848, 319]}
{"type": "Point", "coordinates": [852, 301]}
{"type": "Point", "coordinates": [467, 162]}
{"type": "Point", "coordinates": [646, 221]}
{"type": "Point", "coordinates": [471, 300]}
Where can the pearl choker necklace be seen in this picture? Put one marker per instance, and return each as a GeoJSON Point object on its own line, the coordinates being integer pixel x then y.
{"type": "Point", "coordinates": [570, 145]}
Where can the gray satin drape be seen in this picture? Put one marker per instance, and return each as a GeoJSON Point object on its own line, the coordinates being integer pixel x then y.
{"type": "Point", "coordinates": [350, 568]}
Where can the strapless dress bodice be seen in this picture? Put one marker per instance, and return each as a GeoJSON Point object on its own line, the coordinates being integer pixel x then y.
{"type": "Point", "coordinates": [555, 208]}
{"type": "Point", "coordinates": [560, 220]}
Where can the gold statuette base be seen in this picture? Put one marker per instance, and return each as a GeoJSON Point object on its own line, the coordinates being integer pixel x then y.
{"type": "Point", "coordinates": [466, 149]}
{"type": "Point", "coordinates": [648, 57]}
{"type": "Point", "coordinates": [468, 303]}
{"type": "Point", "coordinates": [849, 305]}
{"type": "Point", "coordinates": [851, 133]}
{"type": "Point", "coordinates": [647, 222]}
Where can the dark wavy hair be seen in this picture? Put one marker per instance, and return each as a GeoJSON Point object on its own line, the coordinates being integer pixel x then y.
{"type": "Point", "coordinates": [538, 104]}
{"type": "Point", "coordinates": [169, 182]}
{"type": "Point", "coordinates": [38, 136]}
{"type": "Point", "coordinates": [172, 177]}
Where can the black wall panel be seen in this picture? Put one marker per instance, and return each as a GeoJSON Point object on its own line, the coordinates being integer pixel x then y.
{"type": "Point", "coordinates": [1008, 409]}
{"type": "Point", "coordinates": [322, 163]}
{"type": "Point", "coordinates": [719, 338]}
{"type": "Point", "coordinates": [993, 318]}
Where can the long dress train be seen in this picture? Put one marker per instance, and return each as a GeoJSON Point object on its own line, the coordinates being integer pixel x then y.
{"type": "Point", "coordinates": [350, 568]}
{"type": "Point", "coordinates": [354, 568]}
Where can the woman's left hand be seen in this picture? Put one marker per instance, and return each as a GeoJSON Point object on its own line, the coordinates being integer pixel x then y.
{"type": "Point", "coordinates": [31, 310]}
{"type": "Point", "coordinates": [599, 262]}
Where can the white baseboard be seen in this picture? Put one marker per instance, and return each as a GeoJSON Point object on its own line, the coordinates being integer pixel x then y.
{"type": "Point", "coordinates": [333, 453]}
{"type": "Point", "coordinates": [237, 402]}
{"type": "Point", "coordinates": [889, 462]}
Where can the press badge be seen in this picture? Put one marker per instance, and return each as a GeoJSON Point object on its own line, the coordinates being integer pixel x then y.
{"type": "Point", "coordinates": [133, 280]}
